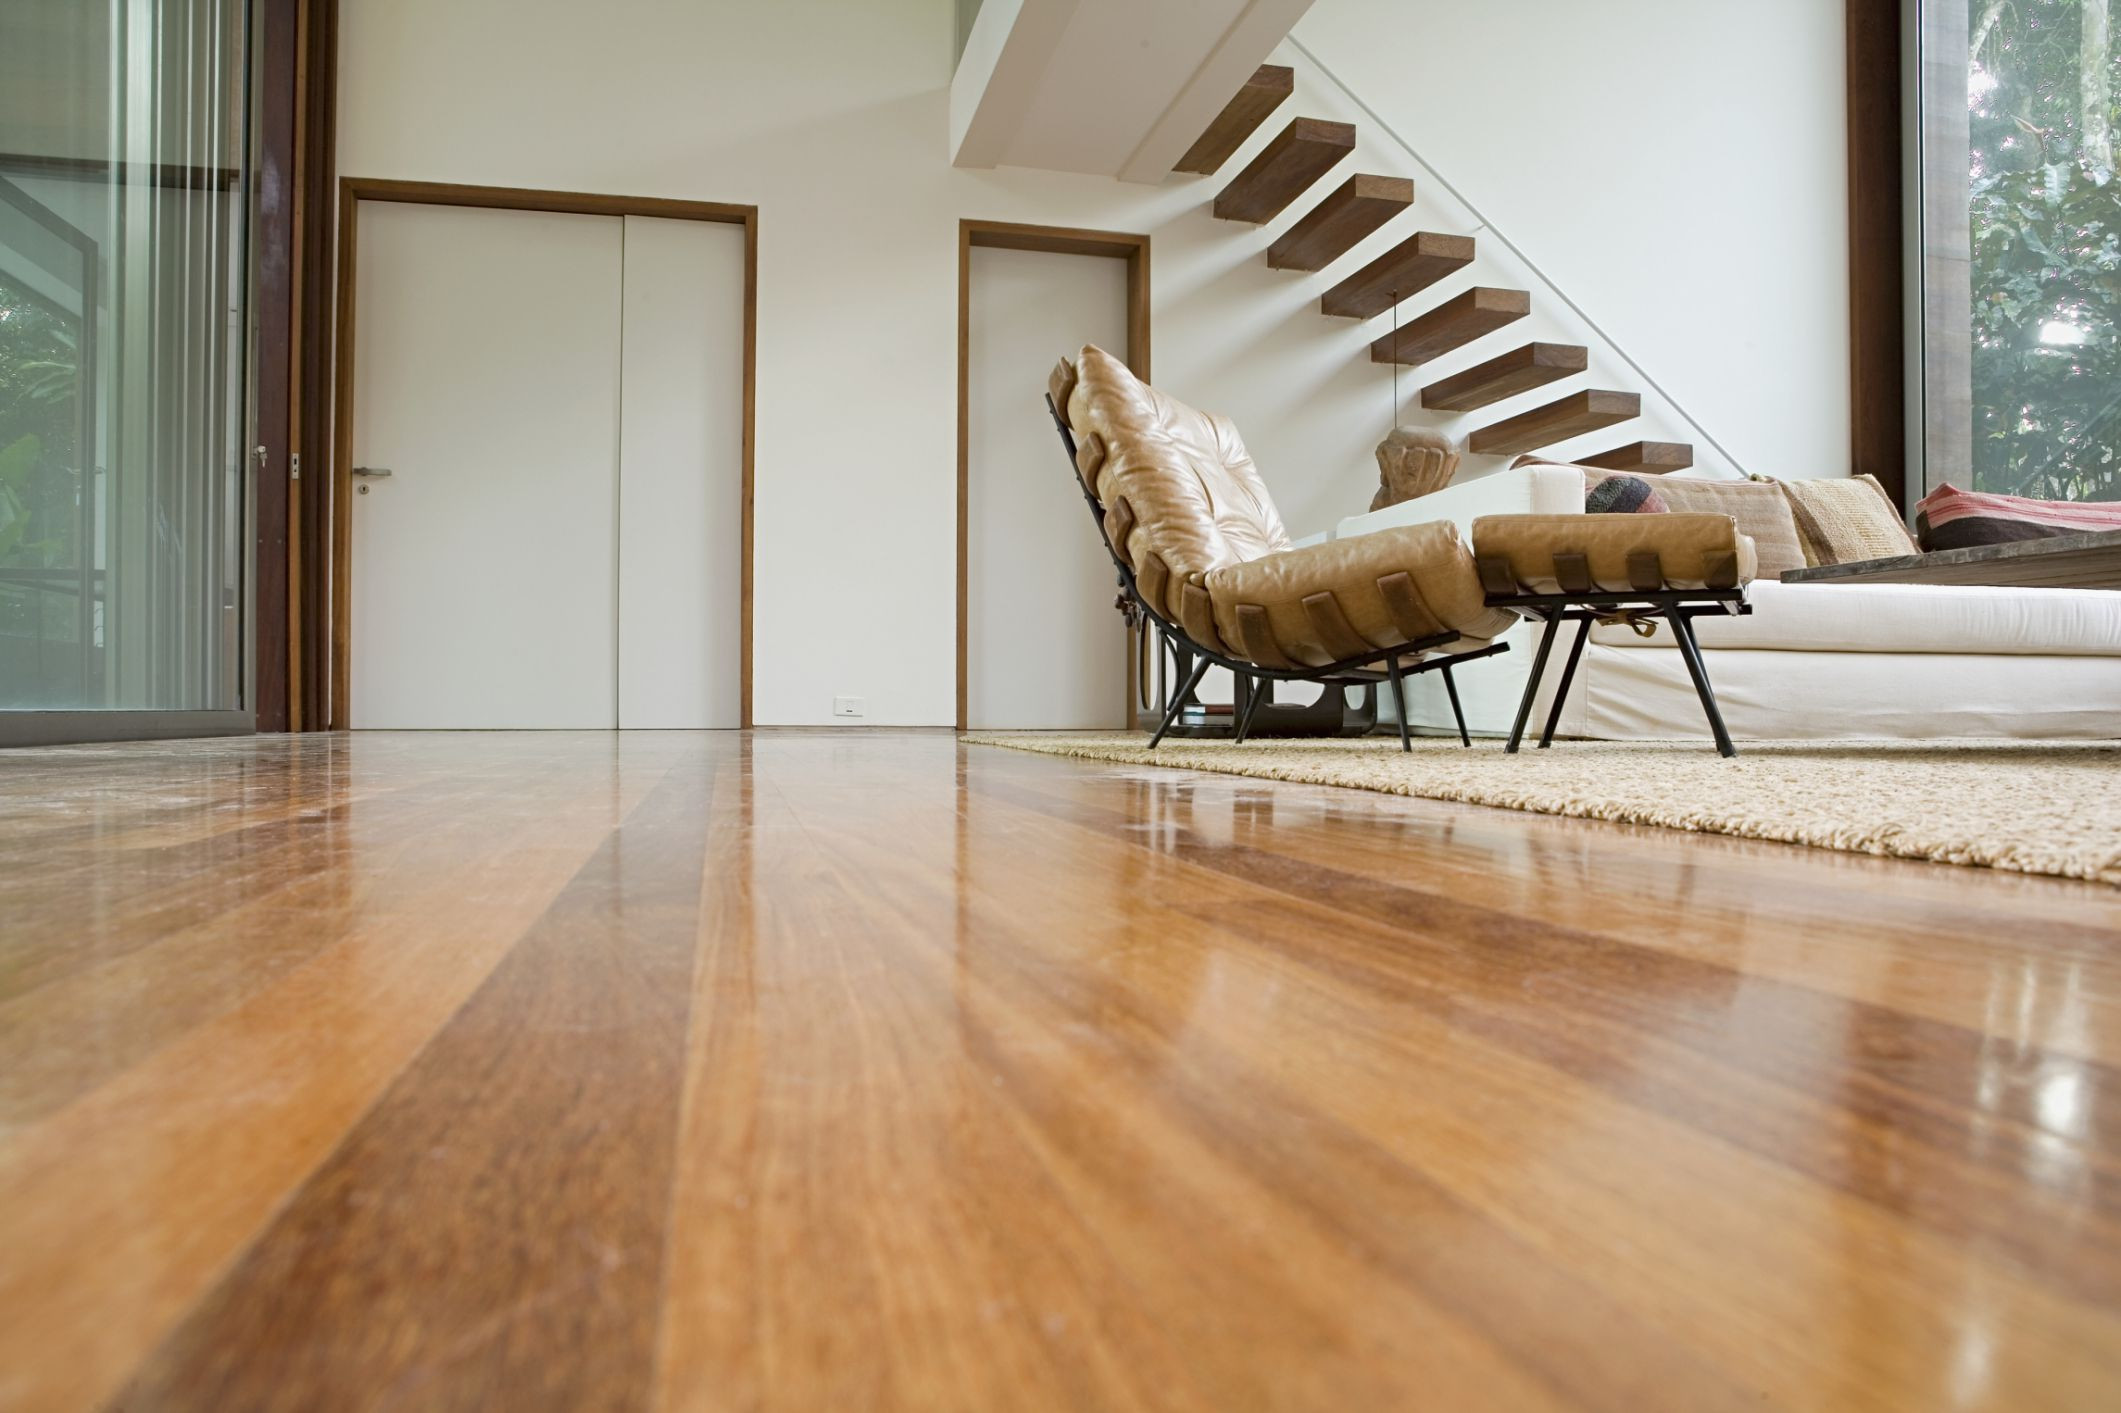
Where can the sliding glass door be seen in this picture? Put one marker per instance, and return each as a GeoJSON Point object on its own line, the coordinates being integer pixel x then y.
{"type": "Point", "coordinates": [124, 212]}
{"type": "Point", "coordinates": [2020, 211]}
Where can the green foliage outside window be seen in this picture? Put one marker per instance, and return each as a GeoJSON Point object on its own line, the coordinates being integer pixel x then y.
{"type": "Point", "coordinates": [2045, 209]}
{"type": "Point", "coordinates": [40, 480]}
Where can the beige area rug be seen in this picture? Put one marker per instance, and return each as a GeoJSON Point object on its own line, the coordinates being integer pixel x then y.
{"type": "Point", "coordinates": [2032, 807]}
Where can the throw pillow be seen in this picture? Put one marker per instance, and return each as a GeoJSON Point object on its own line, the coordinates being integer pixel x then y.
{"type": "Point", "coordinates": [1622, 495]}
{"type": "Point", "coordinates": [1843, 519]}
{"type": "Point", "coordinates": [1949, 518]}
{"type": "Point", "coordinates": [1760, 509]}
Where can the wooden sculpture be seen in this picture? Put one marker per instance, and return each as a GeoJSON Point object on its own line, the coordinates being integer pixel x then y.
{"type": "Point", "coordinates": [1413, 461]}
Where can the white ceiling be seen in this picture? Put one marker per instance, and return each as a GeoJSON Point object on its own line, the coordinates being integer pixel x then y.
{"type": "Point", "coordinates": [1113, 87]}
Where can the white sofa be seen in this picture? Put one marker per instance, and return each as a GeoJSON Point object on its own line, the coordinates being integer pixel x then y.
{"type": "Point", "coordinates": [1811, 661]}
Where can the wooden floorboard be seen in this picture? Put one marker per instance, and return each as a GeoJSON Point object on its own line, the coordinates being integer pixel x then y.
{"type": "Point", "coordinates": [867, 1070]}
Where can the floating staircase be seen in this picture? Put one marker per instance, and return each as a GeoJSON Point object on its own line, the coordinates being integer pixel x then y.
{"type": "Point", "coordinates": [1293, 163]}
{"type": "Point", "coordinates": [1400, 273]}
{"type": "Point", "coordinates": [1558, 421]}
{"type": "Point", "coordinates": [1304, 151]}
{"type": "Point", "coordinates": [1653, 457]}
{"type": "Point", "coordinates": [1453, 324]}
{"type": "Point", "coordinates": [1335, 224]}
{"type": "Point", "coordinates": [1506, 375]}
{"type": "Point", "coordinates": [1239, 119]}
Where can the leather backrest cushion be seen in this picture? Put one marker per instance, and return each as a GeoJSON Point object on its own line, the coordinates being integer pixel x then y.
{"type": "Point", "coordinates": [1759, 507]}
{"type": "Point", "coordinates": [1198, 502]}
{"type": "Point", "coordinates": [1060, 385]}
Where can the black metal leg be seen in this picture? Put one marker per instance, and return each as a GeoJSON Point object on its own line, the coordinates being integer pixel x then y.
{"type": "Point", "coordinates": [1568, 675]}
{"type": "Point", "coordinates": [1178, 701]}
{"type": "Point", "coordinates": [1531, 685]}
{"type": "Point", "coordinates": [1399, 704]}
{"type": "Point", "coordinates": [1254, 690]}
{"type": "Point", "coordinates": [1683, 632]}
{"type": "Point", "coordinates": [1451, 686]}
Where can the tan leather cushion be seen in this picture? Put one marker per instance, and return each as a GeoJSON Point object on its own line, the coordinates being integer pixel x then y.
{"type": "Point", "coordinates": [1692, 551]}
{"type": "Point", "coordinates": [1331, 602]}
{"type": "Point", "coordinates": [1060, 386]}
{"type": "Point", "coordinates": [1846, 518]}
{"type": "Point", "coordinates": [1759, 507]}
{"type": "Point", "coordinates": [1192, 498]}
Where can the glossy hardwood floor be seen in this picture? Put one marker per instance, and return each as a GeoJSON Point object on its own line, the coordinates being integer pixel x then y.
{"type": "Point", "coordinates": [853, 1071]}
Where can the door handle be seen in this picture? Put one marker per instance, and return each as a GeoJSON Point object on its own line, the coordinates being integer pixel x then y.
{"type": "Point", "coordinates": [371, 470]}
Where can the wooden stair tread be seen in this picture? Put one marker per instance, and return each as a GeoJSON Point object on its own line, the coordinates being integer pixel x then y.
{"type": "Point", "coordinates": [1304, 151]}
{"type": "Point", "coordinates": [1566, 417]}
{"type": "Point", "coordinates": [1451, 324]}
{"type": "Point", "coordinates": [1240, 117]}
{"type": "Point", "coordinates": [1649, 458]}
{"type": "Point", "coordinates": [1357, 207]}
{"type": "Point", "coordinates": [1519, 370]}
{"type": "Point", "coordinates": [1408, 267]}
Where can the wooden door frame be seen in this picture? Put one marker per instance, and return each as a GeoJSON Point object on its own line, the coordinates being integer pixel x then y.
{"type": "Point", "coordinates": [1044, 240]}
{"type": "Point", "coordinates": [309, 373]}
{"type": "Point", "coordinates": [1877, 262]}
{"type": "Point", "coordinates": [272, 387]}
{"type": "Point", "coordinates": [355, 190]}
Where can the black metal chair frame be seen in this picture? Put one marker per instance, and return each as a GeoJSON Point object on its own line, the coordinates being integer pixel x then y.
{"type": "Point", "coordinates": [1354, 671]}
{"type": "Point", "coordinates": [1678, 607]}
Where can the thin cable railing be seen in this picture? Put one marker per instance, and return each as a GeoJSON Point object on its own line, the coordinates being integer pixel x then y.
{"type": "Point", "coordinates": [1483, 224]}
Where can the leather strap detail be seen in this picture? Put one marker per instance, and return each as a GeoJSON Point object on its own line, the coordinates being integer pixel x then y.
{"type": "Point", "coordinates": [1495, 576]}
{"type": "Point", "coordinates": [1573, 573]}
{"type": "Point", "coordinates": [1089, 456]}
{"type": "Point", "coordinates": [1119, 524]}
{"type": "Point", "coordinates": [1335, 634]}
{"type": "Point", "coordinates": [1255, 638]}
{"type": "Point", "coordinates": [1410, 614]}
{"type": "Point", "coordinates": [1197, 616]}
{"type": "Point", "coordinates": [1153, 578]}
{"type": "Point", "coordinates": [1645, 571]}
{"type": "Point", "coordinates": [1719, 569]}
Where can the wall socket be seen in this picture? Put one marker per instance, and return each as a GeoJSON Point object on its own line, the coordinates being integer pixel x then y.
{"type": "Point", "coordinates": [846, 706]}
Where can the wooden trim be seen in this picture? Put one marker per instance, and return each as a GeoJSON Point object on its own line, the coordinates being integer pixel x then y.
{"type": "Point", "coordinates": [272, 388]}
{"type": "Point", "coordinates": [1877, 332]}
{"type": "Point", "coordinates": [751, 408]}
{"type": "Point", "coordinates": [341, 473]}
{"type": "Point", "coordinates": [964, 467]}
{"type": "Point", "coordinates": [519, 198]}
{"type": "Point", "coordinates": [104, 171]}
{"type": "Point", "coordinates": [1049, 240]}
{"type": "Point", "coordinates": [309, 547]}
{"type": "Point", "coordinates": [352, 192]}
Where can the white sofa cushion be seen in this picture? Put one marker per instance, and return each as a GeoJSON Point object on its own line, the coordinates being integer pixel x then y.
{"type": "Point", "coordinates": [1620, 695]}
{"type": "Point", "coordinates": [1905, 618]}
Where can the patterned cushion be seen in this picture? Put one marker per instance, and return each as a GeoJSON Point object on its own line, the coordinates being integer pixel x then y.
{"type": "Point", "coordinates": [1761, 511]}
{"type": "Point", "coordinates": [1843, 519]}
{"type": "Point", "coordinates": [1949, 518]}
{"type": "Point", "coordinates": [1622, 495]}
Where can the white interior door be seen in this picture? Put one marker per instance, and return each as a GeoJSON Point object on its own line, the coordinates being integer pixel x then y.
{"type": "Point", "coordinates": [681, 475]}
{"type": "Point", "coordinates": [487, 374]}
{"type": "Point", "coordinates": [1044, 649]}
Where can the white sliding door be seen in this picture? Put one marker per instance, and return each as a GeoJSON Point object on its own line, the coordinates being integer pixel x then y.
{"type": "Point", "coordinates": [487, 385]}
{"type": "Point", "coordinates": [681, 469]}
{"type": "Point", "coordinates": [1044, 648]}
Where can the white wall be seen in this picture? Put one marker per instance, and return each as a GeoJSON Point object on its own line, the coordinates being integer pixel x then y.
{"type": "Point", "coordinates": [1679, 167]}
{"type": "Point", "coordinates": [832, 116]}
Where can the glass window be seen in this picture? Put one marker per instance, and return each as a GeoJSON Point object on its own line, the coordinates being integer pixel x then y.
{"type": "Point", "coordinates": [2021, 247]}
{"type": "Point", "coordinates": [124, 196]}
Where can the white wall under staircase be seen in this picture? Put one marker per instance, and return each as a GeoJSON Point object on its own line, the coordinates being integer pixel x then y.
{"type": "Point", "coordinates": [833, 116]}
{"type": "Point", "coordinates": [1678, 167]}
